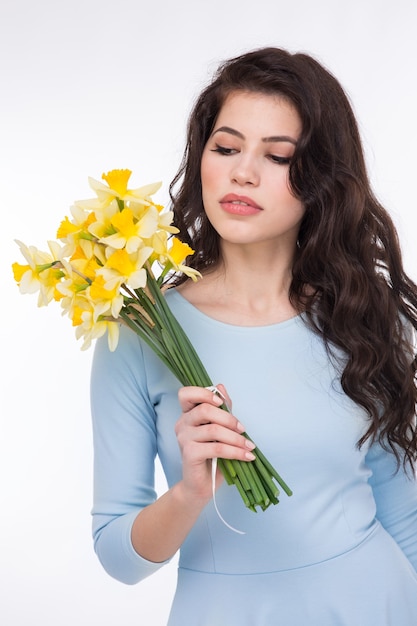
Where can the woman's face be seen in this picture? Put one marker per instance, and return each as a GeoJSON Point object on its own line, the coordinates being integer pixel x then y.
{"type": "Point", "coordinates": [244, 170]}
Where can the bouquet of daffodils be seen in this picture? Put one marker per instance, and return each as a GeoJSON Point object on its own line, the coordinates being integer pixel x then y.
{"type": "Point", "coordinates": [111, 265]}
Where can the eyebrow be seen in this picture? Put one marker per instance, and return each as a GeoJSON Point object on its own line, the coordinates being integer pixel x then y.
{"type": "Point", "coordinates": [273, 138]}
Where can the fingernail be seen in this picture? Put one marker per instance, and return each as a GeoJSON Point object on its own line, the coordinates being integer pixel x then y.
{"type": "Point", "coordinates": [250, 456]}
{"type": "Point", "coordinates": [240, 427]}
{"type": "Point", "coordinates": [249, 444]}
{"type": "Point", "coordinates": [217, 399]}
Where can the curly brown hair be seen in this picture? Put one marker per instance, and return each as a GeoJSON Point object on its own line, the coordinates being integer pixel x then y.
{"type": "Point", "coordinates": [348, 276]}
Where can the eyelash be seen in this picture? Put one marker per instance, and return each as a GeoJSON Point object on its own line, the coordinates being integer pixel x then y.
{"type": "Point", "coordinates": [229, 151]}
{"type": "Point", "coordinates": [222, 150]}
{"type": "Point", "coordinates": [280, 160]}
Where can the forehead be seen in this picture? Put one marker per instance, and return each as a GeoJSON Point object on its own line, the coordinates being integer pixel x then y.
{"type": "Point", "coordinates": [261, 113]}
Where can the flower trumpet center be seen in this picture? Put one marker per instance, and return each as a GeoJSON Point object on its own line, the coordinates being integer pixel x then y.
{"type": "Point", "coordinates": [179, 251]}
{"type": "Point", "coordinates": [117, 180]}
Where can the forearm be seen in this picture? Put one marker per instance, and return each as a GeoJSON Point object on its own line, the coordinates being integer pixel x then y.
{"type": "Point", "coordinates": [395, 495]}
{"type": "Point", "coordinates": [160, 529]}
{"type": "Point", "coordinates": [204, 431]}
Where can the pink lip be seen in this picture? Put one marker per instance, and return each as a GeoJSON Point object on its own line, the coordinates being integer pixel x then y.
{"type": "Point", "coordinates": [239, 205]}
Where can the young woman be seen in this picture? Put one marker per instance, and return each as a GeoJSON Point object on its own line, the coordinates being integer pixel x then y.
{"type": "Point", "coordinates": [306, 316]}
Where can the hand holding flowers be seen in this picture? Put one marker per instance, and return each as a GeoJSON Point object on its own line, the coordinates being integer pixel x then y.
{"type": "Point", "coordinates": [102, 272]}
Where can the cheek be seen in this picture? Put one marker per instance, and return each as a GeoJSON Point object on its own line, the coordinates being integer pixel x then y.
{"type": "Point", "coordinates": [212, 170]}
{"type": "Point", "coordinates": [206, 172]}
{"type": "Point", "coordinates": [206, 177]}
{"type": "Point", "coordinates": [298, 210]}
{"type": "Point", "coordinates": [299, 207]}
{"type": "Point", "coordinates": [296, 205]}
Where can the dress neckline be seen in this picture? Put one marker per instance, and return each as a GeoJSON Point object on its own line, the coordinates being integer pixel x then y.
{"type": "Point", "coordinates": [176, 295]}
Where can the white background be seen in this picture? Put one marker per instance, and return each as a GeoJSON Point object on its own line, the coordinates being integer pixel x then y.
{"type": "Point", "coordinates": [92, 85]}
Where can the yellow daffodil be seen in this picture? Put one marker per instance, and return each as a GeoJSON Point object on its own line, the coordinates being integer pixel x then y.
{"type": "Point", "coordinates": [69, 230]}
{"type": "Point", "coordinates": [19, 271]}
{"type": "Point", "coordinates": [159, 245]}
{"type": "Point", "coordinates": [104, 301]}
{"type": "Point", "coordinates": [116, 188]}
{"type": "Point", "coordinates": [96, 330]}
{"type": "Point", "coordinates": [165, 221]}
{"type": "Point", "coordinates": [72, 288]}
{"type": "Point", "coordinates": [174, 257]}
{"type": "Point", "coordinates": [90, 327]}
{"type": "Point", "coordinates": [122, 267]}
{"type": "Point", "coordinates": [42, 273]}
{"type": "Point", "coordinates": [130, 233]}
{"type": "Point", "coordinates": [89, 252]}
{"type": "Point", "coordinates": [179, 251]}
{"type": "Point", "coordinates": [117, 180]}
{"type": "Point", "coordinates": [69, 289]}
{"type": "Point", "coordinates": [102, 226]}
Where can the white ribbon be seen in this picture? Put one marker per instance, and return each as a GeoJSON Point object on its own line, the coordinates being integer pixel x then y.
{"type": "Point", "coordinates": [213, 473]}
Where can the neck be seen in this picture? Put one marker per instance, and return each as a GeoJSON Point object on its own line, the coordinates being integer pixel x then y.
{"type": "Point", "coordinates": [246, 288]}
{"type": "Point", "coordinates": [256, 269]}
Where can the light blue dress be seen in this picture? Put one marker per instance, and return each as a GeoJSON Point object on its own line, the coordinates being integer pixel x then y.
{"type": "Point", "coordinates": [342, 551]}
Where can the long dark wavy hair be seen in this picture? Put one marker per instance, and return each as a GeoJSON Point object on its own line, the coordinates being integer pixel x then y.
{"type": "Point", "coordinates": [348, 276]}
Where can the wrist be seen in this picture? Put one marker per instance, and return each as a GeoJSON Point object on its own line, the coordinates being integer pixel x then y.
{"type": "Point", "coordinates": [188, 500]}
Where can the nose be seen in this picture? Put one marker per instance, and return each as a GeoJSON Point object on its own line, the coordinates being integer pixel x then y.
{"type": "Point", "coordinates": [245, 171]}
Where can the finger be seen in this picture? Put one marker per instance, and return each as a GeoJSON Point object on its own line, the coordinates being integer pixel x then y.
{"type": "Point", "coordinates": [189, 397]}
{"type": "Point", "coordinates": [223, 393]}
{"type": "Point", "coordinates": [215, 432]}
{"type": "Point", "coordinates": [206, 413]}
{"type": "Point", "coordinates": [196, 452]}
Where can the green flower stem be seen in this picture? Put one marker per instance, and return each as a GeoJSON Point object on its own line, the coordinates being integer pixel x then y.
{"type": "Point", "coordinates": [244, 476]}
{"type": "Point", "coordinates": [245, 495]}
{"type": "Point", "coordinates": [263, 461]}
{"type": "Point", "coordinates": [265, 479]}
{"type": "Point", "coordinates": [225, 471]}
{"type": "Point", "coordinates": [177, 331]}
{"type": "Point", "coordinates": [254, 480]}
{"type": "Point", "coordinates": [257, 487]}
{"type": "Point", "coordinates": [187, 373]}
{"type": "Point", "coordinates": [145, 333]}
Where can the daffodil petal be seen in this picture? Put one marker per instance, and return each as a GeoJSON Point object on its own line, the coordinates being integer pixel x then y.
{"type": "Point", "coordinates": [145, 191]}
{"type": "Point", "coordinates": [112, 335]}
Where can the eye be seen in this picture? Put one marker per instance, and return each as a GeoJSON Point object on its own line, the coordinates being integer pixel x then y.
{"type": "Point", "coordinates": [280, 160]}
{"type": "Point", "coordinates": [223, 150]}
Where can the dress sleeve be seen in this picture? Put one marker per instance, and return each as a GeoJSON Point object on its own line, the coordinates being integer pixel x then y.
{"type": "Point", "coordinates": [124, 435]}
{"type": "Point", "coordinates": [395, 494]}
